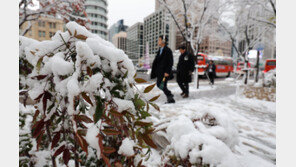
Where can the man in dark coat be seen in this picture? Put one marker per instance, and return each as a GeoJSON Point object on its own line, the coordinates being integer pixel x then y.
{"type": "Point", "coordinates": [185, 68]}
{"type": "Point", "coordinates": [162, 68]}
{"type": "Point", "coordinates": [211, 70]}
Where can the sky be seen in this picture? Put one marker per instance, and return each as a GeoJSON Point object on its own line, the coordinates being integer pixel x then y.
{"type": "Point", "coordinates": [132, 11]}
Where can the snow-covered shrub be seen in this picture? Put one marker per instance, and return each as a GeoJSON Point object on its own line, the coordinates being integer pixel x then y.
{"type": "Point", "coordinates": [204, 140]}
{"type": "Point", "coordinates": [270, 78]}
{"type": "Point", "coordinates": [88, 110]}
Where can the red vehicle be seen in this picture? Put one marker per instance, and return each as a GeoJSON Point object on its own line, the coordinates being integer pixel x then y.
{"type": "Point", "coordinates": [270, 64]}
{"type": "Point", "coordinates": [224, 65]}
{"type": "Point", "coordinates": [240, 66]}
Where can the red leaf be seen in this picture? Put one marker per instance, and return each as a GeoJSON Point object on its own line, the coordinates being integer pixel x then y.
{"type": "Point", "coordinates": [84, 119]}
{"type": "Point", "coordinates": [149, 88]}
{"type": "Point", "coordinates": [109, 150]}
{"type": "Point", "coordinates": [140, 80]}
{"type": "Point", "coordinates": [155, 106]}
{"type": "Point", "coordinates": [39, 97]}
{"type": "Point", "coordinates": [154, 98]}
{"type": "Point", "coordinates": [38, 128]}
{"type": "Point", "coordinates": [89, 71]}
{"type": "Point", "coordinates": [116, 113]}
{"type": "Point", "coordinates": [86, 98]}
{"type": "Point", "coordinates": [55, 140]}
{"type": "Point", "coordinates": [140, 123]}
{"type": "Point", "coordinates": [149, 141]}
{"type": "Point", "coordinates": [82, 142]}
{"type": "Point", "coordinates": [46, 96]}
{"type": "Point", "coordinates": [66, 156]}
{"type": "Point", "coordinates": [39, 139]}
{"type": "Point", "coordinates": [106, 160]}
{"type": "Point", "coordinates": [82, 37]}
{"type": "Point", "coordinates": [39, 77]}
{"type": "Point", "coordinates": [35, 115]}
{"type": "Point", "coordinates": [59, 151]}
{"type": "Point", "coordinates": [140, 163]}
{"type": "Point", "coordinates": [111, 132]}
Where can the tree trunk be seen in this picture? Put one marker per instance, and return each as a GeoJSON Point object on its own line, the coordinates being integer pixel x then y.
{"type": "Point", "coordinates": [257, 67]}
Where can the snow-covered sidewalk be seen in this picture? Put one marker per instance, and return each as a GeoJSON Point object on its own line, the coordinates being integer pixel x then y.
{"type": "Point", "coordinates": [254, 119]}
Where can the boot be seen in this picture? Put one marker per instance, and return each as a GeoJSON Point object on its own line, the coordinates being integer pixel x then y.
{"type": "Point", "coordinates": [170, 99]}
{"type": "Point", "coordinates": [185, 96]}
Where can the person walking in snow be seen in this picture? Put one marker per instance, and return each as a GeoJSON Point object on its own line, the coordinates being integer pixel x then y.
{"type": "Point", "coordinates": [211, 70]}
{"type": "Point", "coordinates": [185, 68]}
{"type": "Point", "coordinates": [162, 68]}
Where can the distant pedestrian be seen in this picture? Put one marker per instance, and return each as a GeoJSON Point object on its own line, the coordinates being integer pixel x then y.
{"type": "Point", "coordinates": [185, 68]}
{"type": "Point", "coordinates": [211, 70]}
{"type": "Point", "coordinates": [162, 68]}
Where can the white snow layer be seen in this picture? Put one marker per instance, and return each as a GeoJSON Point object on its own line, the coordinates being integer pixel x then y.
{"type": "Point", "coordinates": [187, 140]}
{"type": "Point", "coordinates": [93, 140]}
{"type": "Point", "coordinates": [127, 147]}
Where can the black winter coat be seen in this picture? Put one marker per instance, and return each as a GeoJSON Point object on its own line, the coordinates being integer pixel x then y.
{"type": "Point", "coordinates": [213, 68]}
{"type": "Point", "coordinates": [185, 67]}
{"type": "Point", "coordinates": [163, 64]}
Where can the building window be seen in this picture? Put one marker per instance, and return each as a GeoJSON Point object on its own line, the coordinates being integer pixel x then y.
{"type": "Point", "coordinates": [54, 25]}
{"type": "Point", "coordinates": [43, 33]}
{"type": "Point", "coordinates": [40, 33]}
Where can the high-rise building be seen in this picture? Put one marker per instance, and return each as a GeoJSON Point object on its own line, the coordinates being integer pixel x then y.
{"type": "Point", "coordinates": [156, 24]}
{"type": "Point", "coordinates": [96, 11]}
{"type": "Point", "coordinates": [116, 28]}
{"type": "Point", "coordinates": [135, 35]}
{"type": "Point", "coordinates": [119, 40]}
{"type": "Point", "coordinates": [44, 28]}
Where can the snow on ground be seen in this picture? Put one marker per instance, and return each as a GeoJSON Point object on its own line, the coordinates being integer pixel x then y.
{"type": "Point", "coordinates": [254, 119]}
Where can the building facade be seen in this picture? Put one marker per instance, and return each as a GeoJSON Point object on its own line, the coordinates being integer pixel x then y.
{"type": "Point", "coordinates": [96, 11]}
{"type": "Point", "coordinates": [116, 28]}
{"type": "Point", "coordinates": [214, 46]}
{"type": "Point", "coordinates": [44, 28]}
{"type": "Point", "coordinates": [135, 39]}
{"type": "Point", "coordinates": [119, 40]}
{"type": "Point", "coordinates": [156, 24]}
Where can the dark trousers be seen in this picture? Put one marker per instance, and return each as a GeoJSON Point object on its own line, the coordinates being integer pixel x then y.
{"type": "Point", "coordinates": [165, 89]}
{"type": "Point", "coordinates": [184, 87]}
{"type": "Point", "coordinates": [212, 77]}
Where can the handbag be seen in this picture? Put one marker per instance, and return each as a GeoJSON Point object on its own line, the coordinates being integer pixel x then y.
{"type": "Point", "coordinates": [162, 84]}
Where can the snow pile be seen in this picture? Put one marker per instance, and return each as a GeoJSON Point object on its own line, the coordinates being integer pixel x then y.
{"type": "Point", "coordinates": [270, 78]}
{"type": "Point", "coordinates": [92, 139]}
{"type": "Point", "coordinates": [124, 105]}
{"type": "Point", "coordinates": [187, 140]}
{"type": "Point", "coordinates": [127, 147]}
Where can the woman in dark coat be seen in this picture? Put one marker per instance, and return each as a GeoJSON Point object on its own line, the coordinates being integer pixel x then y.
{"type": "Point", "coordinates": [184, 71]}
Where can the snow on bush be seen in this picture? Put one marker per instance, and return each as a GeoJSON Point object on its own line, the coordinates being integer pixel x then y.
{"type": "Point", "coordinates": [206, 138]}
{"type": "Point", "coordinates": [270, 78]}
{"type": "Point", "coordinates": [127, 147]}
{"type": "Point", "coordinates": [86, 102]}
